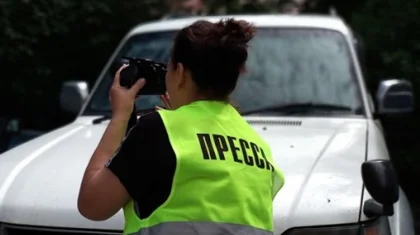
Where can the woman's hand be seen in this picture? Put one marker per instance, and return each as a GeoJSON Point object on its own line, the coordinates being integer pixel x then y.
{"type": "Point", "coordinates": [122, 99]}
{"type": "Point", "coordinates": [166, 102]}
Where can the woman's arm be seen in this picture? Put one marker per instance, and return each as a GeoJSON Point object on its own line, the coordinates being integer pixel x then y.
{"type": "Point", "coordinates": [101, 193]}
{"type": "Point", "coordinates": [127, 175]}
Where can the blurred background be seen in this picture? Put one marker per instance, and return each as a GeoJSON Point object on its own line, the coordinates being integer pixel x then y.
{"type": "Point", "coordinates": [46, 42]}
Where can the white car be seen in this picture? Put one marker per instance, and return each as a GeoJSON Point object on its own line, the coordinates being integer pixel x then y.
{"type": "Point", "coordinates": [304, 92]}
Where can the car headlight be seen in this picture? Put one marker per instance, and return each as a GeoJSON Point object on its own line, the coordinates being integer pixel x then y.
{"type": "Point", "coordinates": [379, 226]}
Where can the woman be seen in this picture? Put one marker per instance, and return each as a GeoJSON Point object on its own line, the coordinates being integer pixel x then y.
{"type": "Point", "coordinates": [198, 168]}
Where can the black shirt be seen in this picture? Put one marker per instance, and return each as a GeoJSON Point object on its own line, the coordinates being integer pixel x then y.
{"type": "Point", "coordinates": [145, 164]}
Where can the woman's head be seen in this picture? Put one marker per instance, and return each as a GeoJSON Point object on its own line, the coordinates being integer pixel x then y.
{"type": "Point", "coordinates": [206, 60]}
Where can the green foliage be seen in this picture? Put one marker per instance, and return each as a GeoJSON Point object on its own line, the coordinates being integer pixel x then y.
{"type": "Point", "coordinates": [390, 31]}
{"type": "Point", "coordinates": [44, 43]}
{"type": "Point", "coordinates": [233, 6]}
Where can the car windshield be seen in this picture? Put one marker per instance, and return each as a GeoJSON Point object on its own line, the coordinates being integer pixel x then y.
{"type": "Point", "coordinates": [285, 66]}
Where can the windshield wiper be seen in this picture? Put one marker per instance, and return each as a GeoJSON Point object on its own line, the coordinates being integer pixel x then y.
{"type": "Point", "coordinates": [101, 119]}
{"type": "Point", "coordinates": [299, 108]}
{"type": "Point", "coordinates": [106, 117]}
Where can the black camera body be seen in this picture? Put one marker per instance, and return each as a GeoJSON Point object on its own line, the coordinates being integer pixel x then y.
{"type": "Point", "coordinates": [154, 73]}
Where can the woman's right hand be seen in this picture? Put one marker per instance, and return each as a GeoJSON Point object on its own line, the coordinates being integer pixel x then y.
{"type": "Point", "coordinates": [166, 102]}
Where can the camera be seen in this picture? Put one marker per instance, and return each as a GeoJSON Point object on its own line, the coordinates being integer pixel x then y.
{"type": "Point", "coordinates": [154, 73]}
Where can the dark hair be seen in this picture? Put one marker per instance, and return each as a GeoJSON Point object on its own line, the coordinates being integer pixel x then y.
{"type": "Point", "coordinates": [214, 53]}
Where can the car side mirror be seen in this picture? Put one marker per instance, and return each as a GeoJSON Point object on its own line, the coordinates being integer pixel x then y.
{"type": "Point", "coordinates": [395, 96]}
{"type": "Point", "coordinates": [381, 182]}
{"type": "Point", "coordinates": [73, 95]}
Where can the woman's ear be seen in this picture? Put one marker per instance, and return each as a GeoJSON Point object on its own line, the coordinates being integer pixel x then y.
{"type": "Point", "coordinates": [180, 74]}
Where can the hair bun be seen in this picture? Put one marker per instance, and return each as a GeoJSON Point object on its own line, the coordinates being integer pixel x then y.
{"type": "Point", "coordinates": [214, 53]}
{"type": "Point", "coordinates": [235, 32]}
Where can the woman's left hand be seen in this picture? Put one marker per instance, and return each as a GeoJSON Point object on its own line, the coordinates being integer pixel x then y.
{"type": "Point", "coordinates": [121, 98]}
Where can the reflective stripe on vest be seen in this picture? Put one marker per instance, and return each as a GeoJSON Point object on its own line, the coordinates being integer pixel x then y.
{"type": "Point", "coordinates": [201, 228]}
{"type": "Point", "coordinates": [220, 160]}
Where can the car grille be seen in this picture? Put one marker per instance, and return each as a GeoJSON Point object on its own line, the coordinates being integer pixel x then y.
{"type": "Point", "coordinates": [275, 122]}
{"type": "Point", "coordinates": [8, 229]}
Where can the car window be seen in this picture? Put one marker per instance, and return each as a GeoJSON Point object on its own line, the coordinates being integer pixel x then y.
{"type": "Point", "coordinates": [285, 65]}
{"type": "Point", "coordinates": [298, 66]}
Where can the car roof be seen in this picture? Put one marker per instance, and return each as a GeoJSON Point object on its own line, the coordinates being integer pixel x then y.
{"type": "Point", "coordinates": [272, 20]}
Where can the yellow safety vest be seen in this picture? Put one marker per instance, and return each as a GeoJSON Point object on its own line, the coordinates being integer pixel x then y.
{"type": "Point", "coordinates": [221, 161]}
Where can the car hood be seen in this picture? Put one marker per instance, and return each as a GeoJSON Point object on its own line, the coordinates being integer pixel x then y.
{"type": "Point", "coordinates": [320, 158]}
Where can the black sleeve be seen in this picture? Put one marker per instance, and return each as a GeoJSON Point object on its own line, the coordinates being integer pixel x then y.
{"type": "Point", "coordinates": [145, 162]}
{"type": "Point", "coordinates": [133, 119]}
